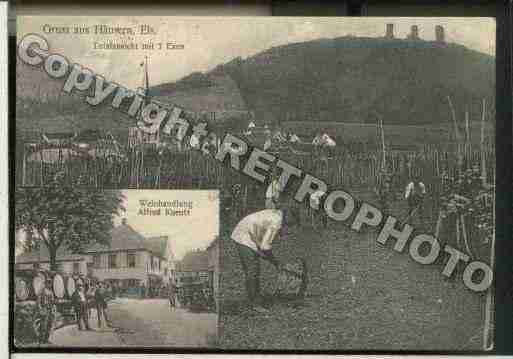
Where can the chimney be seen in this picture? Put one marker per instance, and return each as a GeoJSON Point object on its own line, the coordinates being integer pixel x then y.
{"type": "Point", "coordinates": [123, 221]}
{"type": "Point", "coordinates": [439, 33]}
{"type": "Point", "coordinates": [390, 31]}
{"type": "Point", "coordinates": [414, 35]}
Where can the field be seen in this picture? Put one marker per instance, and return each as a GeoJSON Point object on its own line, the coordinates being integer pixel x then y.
{"type": "Point", "coordinates": [361, 295]}
{"type": "Point", "coordinates": [396, 136]}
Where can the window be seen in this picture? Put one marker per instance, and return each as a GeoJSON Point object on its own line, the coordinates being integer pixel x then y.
{"type": "Point", "coordinates": [112, 261]}
{"type": "Point", "coordinates": [76, 268]}
{"type": "Point", "coordinates": [96, 261]}
{"type": "Point", "coordinates": [130, 258]}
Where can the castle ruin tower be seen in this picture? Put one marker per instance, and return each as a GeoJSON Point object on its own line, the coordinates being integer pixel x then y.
{"type": "Point", "coordinates": [414, 34]}
{"type": "Point", "coordinates": [439, 33]}
{"type": "Point", "coordinates": [390, 31]}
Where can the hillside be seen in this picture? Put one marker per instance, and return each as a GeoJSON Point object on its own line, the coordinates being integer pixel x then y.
{"type": "Point", "coordinates": [343, 80]}
{"type": "Point", "coordinates": [351, 79]}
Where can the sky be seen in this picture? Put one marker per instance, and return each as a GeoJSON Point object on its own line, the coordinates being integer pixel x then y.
{"type": "Point", "coordinates": [185, 232]}
{"type": "Point", "coordinates": [210, 41]}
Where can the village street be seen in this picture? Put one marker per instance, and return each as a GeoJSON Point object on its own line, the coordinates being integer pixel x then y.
{"type": "Point", "coordinates": [144, 323]}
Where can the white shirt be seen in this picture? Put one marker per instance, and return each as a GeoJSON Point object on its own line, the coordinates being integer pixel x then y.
{"type": "Point", "coordinates": [259, 229]}
{"type": "Point", "coordinates": [294, 138]}
{"type": "Point", "coordinates": [195, 142]}
{"type": "Point", "coordinates": [274, 189]}
{"type": "Point", "coordinates": [251, 125]}
{"type": "Point", "coordinates": [267, 144]}
{"type": "Point", "coordinates": [328, 141]}
{"type": "Point", "coordinates": [237, 150]}
{"type": "Point", "coordinates": [410, 188]}
{"type": "Point", "coordinates": [315, 198]}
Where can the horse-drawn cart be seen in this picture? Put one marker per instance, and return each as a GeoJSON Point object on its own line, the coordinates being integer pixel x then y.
{"type": "Point", "coordinates": [197, 296]}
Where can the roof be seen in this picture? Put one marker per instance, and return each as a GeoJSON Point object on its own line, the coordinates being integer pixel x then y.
{"type": "Point", "coordinates": [157, 245]}
{"type": "Point", "coordinates": [123, 237]}
{"type": "Point", "coordinates": [193, 262]}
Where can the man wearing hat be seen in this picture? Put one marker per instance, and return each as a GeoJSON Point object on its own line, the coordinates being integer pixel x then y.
{"type": "Point", "coordinates": [46, 308]}
{"type": "Point", "coordinates": [79, 302]}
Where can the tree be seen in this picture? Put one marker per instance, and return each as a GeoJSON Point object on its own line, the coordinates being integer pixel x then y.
{"type": "Point", "coordinates": [64, 214]}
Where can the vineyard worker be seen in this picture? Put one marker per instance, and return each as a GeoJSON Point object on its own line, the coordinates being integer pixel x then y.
{"type": "Point", "coordinates": [254, 236]}
{"type": "Point", "coordinates": [45, 304]}
{"type": "Point", "coordinates": [79, 302]}
{"type": "Point", "coordinates": [414, 194]}
{"type": "Point", "coordinates": [273, 192]}
{"type": "Point", "coordinates": [317, 201]}
{"type": "Point", "coordinates": [268, 142]}
{"type": "Point", "coordinates": [294, 138]}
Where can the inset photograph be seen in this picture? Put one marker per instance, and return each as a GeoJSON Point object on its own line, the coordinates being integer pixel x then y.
{"type": "Point", "coordinates": [104, 268]}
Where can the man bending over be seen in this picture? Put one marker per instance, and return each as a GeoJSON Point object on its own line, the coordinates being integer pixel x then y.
{"type": "Point", "coordinates": [254, 236]}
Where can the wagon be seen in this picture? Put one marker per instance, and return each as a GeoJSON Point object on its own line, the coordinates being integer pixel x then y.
{"type": "Point", "coordinates": [195, 296]}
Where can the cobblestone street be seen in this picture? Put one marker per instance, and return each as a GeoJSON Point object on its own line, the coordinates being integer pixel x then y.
{"type": "Point", "coordinates": [143, 323]}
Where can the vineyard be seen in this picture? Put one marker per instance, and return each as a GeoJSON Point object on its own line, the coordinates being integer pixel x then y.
{"type": "Point", "coordinates": [122, 164]}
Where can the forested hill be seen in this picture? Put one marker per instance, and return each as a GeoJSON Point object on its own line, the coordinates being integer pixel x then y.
{"type": "Point", "coordinates": [347, 79]}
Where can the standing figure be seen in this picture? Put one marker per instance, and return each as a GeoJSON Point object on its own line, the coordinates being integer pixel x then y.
{"type": "Point", "coordinates": [414, 194]}
{"type": "Point", "coordinates": [254, 236]}
{"type": "Point", "coordinates": [385, 192]}
{"type": "Point", "coordinates": [45, 304]}
{"type": "Point", "coordinates": [317, 201]}
{"type": "Point", "coordinates": [79, 302]}
{"type": "Point", "coordinates": [172, 295]}
{"type": "Point", "coordinates": [273, 192]}
{"type": "Point", "coordinates": [100, 299]}
{"type": "Point", "coordinates": [90, 290]}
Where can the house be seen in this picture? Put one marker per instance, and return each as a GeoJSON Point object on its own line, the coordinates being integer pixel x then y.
{"type": "Point", "coordinates": [130, 261]}
{"type": "Point", "coordinates": [162, 245]}
{"type": "Point", "coordinates": [194, 267]}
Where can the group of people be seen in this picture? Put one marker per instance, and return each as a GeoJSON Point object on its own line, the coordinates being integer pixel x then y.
{"type": "Point", "coordinates": [255, 234]}
{"type": "Point", "coordinates": [82, 301]}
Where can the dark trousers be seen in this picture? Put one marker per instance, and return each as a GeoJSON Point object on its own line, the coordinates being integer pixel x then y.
{"type": "Point", "coordinates": [415, 201]}
{"type": "Point", "coordinates": [251, 266]}
{"type": "Point", "coordinates": [46, 324]}
{"type": "Point", "coordinates": [82, 317]}
{"type": "Point", "coordinates": [101, 311]}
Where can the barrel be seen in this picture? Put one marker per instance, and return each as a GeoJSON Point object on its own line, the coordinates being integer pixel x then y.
{"type": "Point", "coordinates": [38, 281]}
{"type": "Point", "coordinates": [69, 285]}
{"type": "Point", "coordinates": [58, 287]}
{"type": "Point", "coordinates": [22, 288]}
